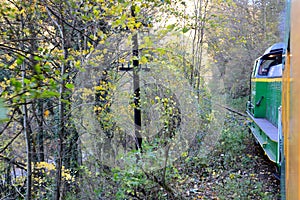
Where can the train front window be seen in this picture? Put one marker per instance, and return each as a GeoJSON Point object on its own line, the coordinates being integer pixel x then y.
{"type": "Point", "coordinates": [270, 66]}
{"type": "Point", "coordinates": [256, 63]}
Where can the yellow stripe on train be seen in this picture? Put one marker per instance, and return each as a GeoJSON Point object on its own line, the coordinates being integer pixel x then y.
{"type": "Point", "coordinates": [266, 79]}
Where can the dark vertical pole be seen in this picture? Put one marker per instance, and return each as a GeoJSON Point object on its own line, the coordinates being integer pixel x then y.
{"type": "Point", "coordinates": [136, 87]}
{"type": "Point", "coordinates": [40, 135]}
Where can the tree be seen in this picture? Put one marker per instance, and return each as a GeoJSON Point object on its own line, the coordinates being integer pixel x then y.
{"type": "Point", "coordinates": [53, 55]}
{"type": "Point", "coordinates": [240, 31]}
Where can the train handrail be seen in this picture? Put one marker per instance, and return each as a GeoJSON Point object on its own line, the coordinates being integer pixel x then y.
{"type": "Point", "coordinates": [259, 101]}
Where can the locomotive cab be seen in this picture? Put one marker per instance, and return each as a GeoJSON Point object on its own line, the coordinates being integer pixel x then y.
{"type": "Point", "coordinates": [270, 64]}
{"type": "Point", "coordinates": [265, 99]}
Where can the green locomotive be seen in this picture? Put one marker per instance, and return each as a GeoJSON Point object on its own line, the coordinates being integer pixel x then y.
{"type": "Point", "coordinates": [264, 102]}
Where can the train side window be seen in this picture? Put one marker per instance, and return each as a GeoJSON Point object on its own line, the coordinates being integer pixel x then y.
{"type": "Point", "coordinates": [271, 66]}
{"type": "Point", "coordinates": [264, 67]}
{"type": "Point", "coordinates": [275, 71]}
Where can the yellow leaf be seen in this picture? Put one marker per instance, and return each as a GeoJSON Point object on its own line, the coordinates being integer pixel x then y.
{"type": "Point", "coordinates": [122, 60]}
{"type": "Point", "coordinates": [143, 60]}
{"type": "Point", "coordinates": [46, 113]}
{"type": "Point", "coordinates": [184, 154]}
{"type": "Point", "coordinates": [138, 25]}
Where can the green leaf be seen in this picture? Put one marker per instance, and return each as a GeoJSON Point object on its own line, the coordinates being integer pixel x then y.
{"type": "Point", "coordinates": [46, 68]}
{"type": "Point", "coordinates": [161, 51]}
{"type": "Point", "coordinates": [37, 58]}
{"type": "Point", "coordinates": [20, 60]}
{"type": "Point", "coordinates": [17, 84]}
{"type": "Point", "coordinates": [69, 85]}
{"type": "Point", "coordinates": [48, 94]}
{"type": "Point", "coordinates": [26, 81]}
{"type": "Point", "coordinates": [185, 29]}
{"type": "Point", "coordinates": [137, 9]}
{"type": "Point", "coordinates": [38, 68]}
{"type": "Point", "coordinates": [171, 26]}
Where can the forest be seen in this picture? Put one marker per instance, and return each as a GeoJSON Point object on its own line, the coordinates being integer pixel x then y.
{"type": "Point", "coordinates": [127, 99]}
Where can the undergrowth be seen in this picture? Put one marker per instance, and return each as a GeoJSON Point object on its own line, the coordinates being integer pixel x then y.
{"type": "Point", "coordinates": [236, 168]}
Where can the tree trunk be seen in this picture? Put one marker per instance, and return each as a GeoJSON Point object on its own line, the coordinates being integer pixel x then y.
{"type": "Point", "coordinates": [26, 132]}
{"type": "Point", "coordinates": [40, 136]}
{"type": "Point", "coordinates": [27, 136]}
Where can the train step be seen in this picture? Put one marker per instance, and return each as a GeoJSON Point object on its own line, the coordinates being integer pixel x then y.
{"type": "Point", "coordinates": [267, 127]}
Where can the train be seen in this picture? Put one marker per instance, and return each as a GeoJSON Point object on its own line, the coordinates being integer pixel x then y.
{"type": "Point", "coordinates": [264, 103]}
{"type": "Point", "coordinates": [274, 104]}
